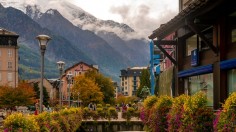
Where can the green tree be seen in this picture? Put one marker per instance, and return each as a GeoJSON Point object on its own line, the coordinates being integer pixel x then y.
{"type": "Point", "coordinates": [22, 95]}
{"type": "Point", "coordinates": [106, 85]}
{"type": "Point", "coordinates": [45, 94]}
{"type": "Point", "coordinates": [88, 90]}
{"type": "Point", "coordinates": [144, 81]}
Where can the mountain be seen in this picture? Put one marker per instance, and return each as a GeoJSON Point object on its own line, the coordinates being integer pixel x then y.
{"type": "Point", "coordinates": [77, 35]}
{"type": "Point", "coordinates": [92, 45]}
{"type": "Point", "coordinates": [15, 20]}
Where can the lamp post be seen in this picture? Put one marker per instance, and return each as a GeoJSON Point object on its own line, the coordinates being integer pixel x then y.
{"type": "Point", "coordinates": [61, 66]}
{"type": "Point", "coordinates": [69, 78]}
{"type": "Point", "coordinates": [43, 41]}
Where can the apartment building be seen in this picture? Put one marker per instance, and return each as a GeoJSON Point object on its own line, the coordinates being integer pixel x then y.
{"type": "Point", "coordinates": [8, 58]}
{"type": "Point", "coordinates": [130, 80]}
{"type": "Point", "coordinates": [75, 70]}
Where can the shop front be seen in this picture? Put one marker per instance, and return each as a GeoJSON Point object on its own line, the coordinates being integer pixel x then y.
{"type": "Point", "coordinates": [199, 79]}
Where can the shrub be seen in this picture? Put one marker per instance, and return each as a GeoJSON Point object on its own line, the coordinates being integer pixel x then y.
{"type": "Point", "coordinates": [226, 119]}
{"type": "Point", "coordinates": [175, 115]}
{"type": "Point", "coordinates": [112, 113]}
{"type": "Point", "coordinates": [99, 105]}
{"type": "Point", "coordinates": [64, 120]}
{"type": "Point", "coordinates": [149, 102]}
{"type": "Point", "coordinates": [19, 122]}
{"type": "Point", "coordinates": [196, 115]}
{"type": "Point", "coordinates": [157, 118]}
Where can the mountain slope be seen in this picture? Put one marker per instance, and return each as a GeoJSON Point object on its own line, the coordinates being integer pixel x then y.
{"type": "Point", "coordinates": [92, 45]}
{"type": "Point", "coordinates": [58, 49]}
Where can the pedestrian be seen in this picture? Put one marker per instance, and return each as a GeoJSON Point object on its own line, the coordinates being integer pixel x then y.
{"type": "Point", "coordinates": [94, 107]}
{"type": "Point", "coordinates": [90, 106]}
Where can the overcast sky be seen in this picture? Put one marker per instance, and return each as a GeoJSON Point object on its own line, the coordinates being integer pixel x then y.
{"type": "Point", "coordinates": [142, 15]}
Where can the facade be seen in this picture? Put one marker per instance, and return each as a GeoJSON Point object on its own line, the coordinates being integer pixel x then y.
{"type": "Point", "coordinates": [8, 58]}
{"type": "Point", "coordinates": [117, 91]}
{"type": "Point", "coordinates": [130, 80]}
{"type": "Point", "coordinates": [205, 44]}
{"type": "Point", "coordinates": [75, 70]}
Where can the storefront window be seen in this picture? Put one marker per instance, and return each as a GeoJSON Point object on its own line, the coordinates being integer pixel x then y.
{"type": "Point", "coordinates": [202, 83]}
{"type": "Point", "coordinates": [231, 81]}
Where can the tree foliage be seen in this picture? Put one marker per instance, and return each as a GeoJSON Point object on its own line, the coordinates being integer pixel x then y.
{"type": "Point", "coordinates": [106, 85]}
{"type": "Point", "coordinates": [22, 95]}
{"type": "Point", "coordinates": [88, 90]}
{"type": "Point", "coordinates": [144, 81]}
{"type": "Point", "coordinates": [45, 94]}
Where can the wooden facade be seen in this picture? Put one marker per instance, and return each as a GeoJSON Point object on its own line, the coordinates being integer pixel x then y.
{"type": "Point", "coordinates": [209, 28]}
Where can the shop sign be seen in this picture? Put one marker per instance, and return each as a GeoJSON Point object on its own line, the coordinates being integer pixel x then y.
{"type": "Point", "coordinates": [194, 57]}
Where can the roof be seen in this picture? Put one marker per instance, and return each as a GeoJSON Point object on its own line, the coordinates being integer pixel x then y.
{"type": "Point", "coordinates": [134, 71]}
{"type": "Point", "coordinates": [81, 62]}
{"type": "Point", "coordinates": [138, 68]}
{"type": "Point", "coordinates": [196, 8]}
{"type": "Point", "coordinates": [6, 32]}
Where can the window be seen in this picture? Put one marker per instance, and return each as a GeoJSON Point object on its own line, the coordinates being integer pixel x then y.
{"type": "Point", "coordinates": [202, 83]}
{"type": "Point", "coordinates": [233, 35]}
{"type": "Point", "coordinates": [0, 65]}
{"type": "Point", "coordinates": [231, 81]}
{"type": "Point", "coordinates": [0, 76]}
{"type": "Point", "coordinates": [195, 42]}
{"type": "Point", "coordinates": [0, 53]}
{"type": "Point", "coordinates": [9, 52]}
{"type": "Point", "coordinates": [191, 44]}
{"type": "Point", "coordinates": [9, 65]}
{"type": "Point", "coordinates": [9, 77]}
{"type": "Point", "coordinates": [232, 27]}
{"type": "Point", "coordinates": [125, 88]}
{"type": "Point", "coordinates": [135, 88]}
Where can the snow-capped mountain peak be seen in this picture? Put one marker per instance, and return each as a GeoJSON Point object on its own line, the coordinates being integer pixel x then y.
{"type": "Point", "coordinates": [73, 13]}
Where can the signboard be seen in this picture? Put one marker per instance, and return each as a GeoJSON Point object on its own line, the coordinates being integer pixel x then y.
{"type": "Point", "coordinates": [194, 57]}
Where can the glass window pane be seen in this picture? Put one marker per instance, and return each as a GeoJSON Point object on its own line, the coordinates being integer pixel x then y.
{"type": "Point", "coordinates": [233, 35]}
{"type": "Point", "coordinates": [191, 44]}
{"type": "Point", "coordinates": [202, 83]}
{"type": "Point", "coordinates": [231, 81]}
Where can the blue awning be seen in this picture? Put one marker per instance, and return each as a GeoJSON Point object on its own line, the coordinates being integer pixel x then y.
{"type": "Point", "coordinates": [228, 64]}
{"type": "Point", "coordinates": [196, 71]}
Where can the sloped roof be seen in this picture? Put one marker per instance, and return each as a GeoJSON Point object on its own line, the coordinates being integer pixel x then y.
{"type": "Point", "coordinates": [6, 32]}
{"type": "Point", "coordinates": [81, 62]}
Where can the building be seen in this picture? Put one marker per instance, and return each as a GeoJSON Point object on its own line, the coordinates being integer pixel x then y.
{"type": "Point", "coordinates": [117, 90]}
{"type": "Point", "coordinates": [52, 91]}
{"type": "Point", "coordinates": [75, 70]}
{"type": "Point", "coordinates": [205, 44]}
{"type": "Point", "coordinates": [8, 58]}
{"type": "Point", "coordinates": [129, 80]}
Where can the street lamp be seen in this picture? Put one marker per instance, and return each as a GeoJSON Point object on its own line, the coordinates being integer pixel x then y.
{"type": "Point", "coordinates": [43, 41]}
{"type": "Point", "coordinates": [61, 66]}
{"type": "Point", "coordinates": [69, 78]}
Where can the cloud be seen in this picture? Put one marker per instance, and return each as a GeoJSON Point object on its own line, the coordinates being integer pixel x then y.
{"type": "Point", "coordinates": [141, 18]}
